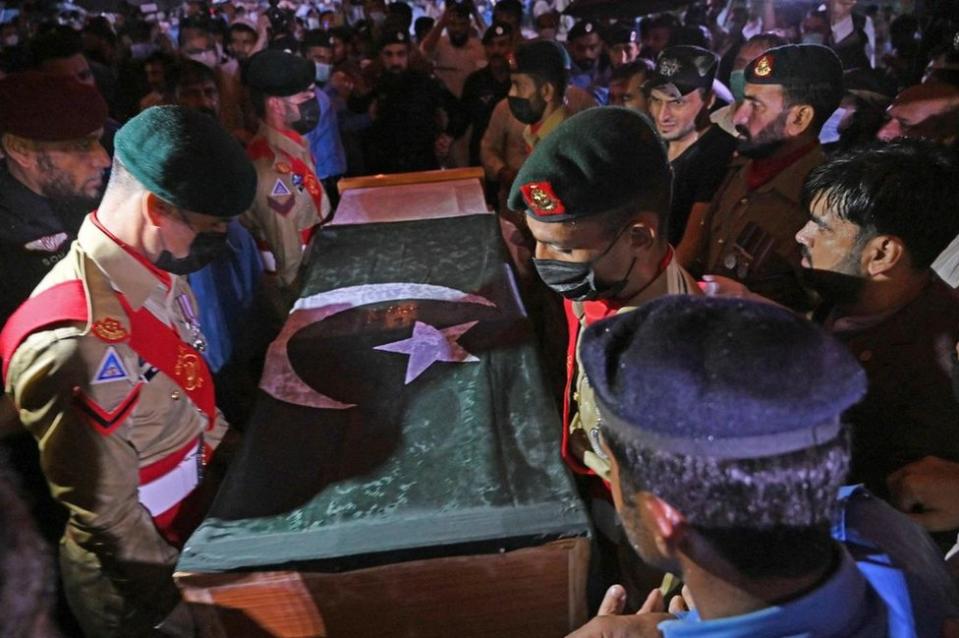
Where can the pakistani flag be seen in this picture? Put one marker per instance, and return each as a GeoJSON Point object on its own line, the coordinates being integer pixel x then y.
{"type": "Point", "coordinates": [405, 414]}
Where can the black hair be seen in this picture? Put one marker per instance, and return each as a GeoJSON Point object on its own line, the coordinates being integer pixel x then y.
{"type": "Point", "coordinates": [422, 26]}
{"type": "Point", "coordinates": [258, 101]}
{"type": "Point", "coordinates": [402, 12]}
{"type": "Point", "coordinates": [627, 71]}
{"type": "Point", "coordinates": [514, 7]}
{"type": "Point", "coordinates": [56, 43]}
{"type": "Point", "coordinates": [904, 188]}
{"type": "Point", "coordinates": [768, 516]}
{"type": "Point", "coordinates": [823, 97]}
{"type": "Point", "coordinates": [239, 26]}
{"type": "Point", "coordinates": [316, 38]}
{"type": "Point", "coordinates": [767, 39]}
{"type": "Point", "coordinates": [190, 72]}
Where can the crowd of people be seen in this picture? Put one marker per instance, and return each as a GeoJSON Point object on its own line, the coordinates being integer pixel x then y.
{"type": "Point", "coordinates": [733, 226]}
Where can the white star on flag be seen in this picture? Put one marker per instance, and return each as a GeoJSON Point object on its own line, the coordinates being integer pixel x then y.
{"type": "Point", "coordinates": [428, 345]}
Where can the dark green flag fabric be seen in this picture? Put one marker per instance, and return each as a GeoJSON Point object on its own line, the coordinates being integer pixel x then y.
{"type": "Point", "coordinates": [404, 413]}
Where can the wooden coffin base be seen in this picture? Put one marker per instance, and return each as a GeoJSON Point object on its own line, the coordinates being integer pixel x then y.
{"type": "Point", "coordinates": [528, 593]}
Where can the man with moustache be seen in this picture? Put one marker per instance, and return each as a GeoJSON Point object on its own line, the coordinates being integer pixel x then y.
{"type": "Point", "coordinates": [51, 174]}
{"type": "Point", "coordinates": [485, 88]}
{"type": "Point", "coordinates": [747, 234]}
{"type": "Point", "coordinates": [416, 119]}
{"type": "Point", "coordinates": [590, 69]}
{"type": "Point", "coordinates": [877, 219]}
{"type": "Point", "coordinates": [458, 54]}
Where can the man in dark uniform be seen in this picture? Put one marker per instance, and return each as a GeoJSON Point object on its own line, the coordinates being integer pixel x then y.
{"type": "Point", "coordinates": [50, 177]}
{"type": "Point", "coordinates": [590, 68]}
{"type": "Point", "coordinates": [104, 365]}
{"type": "Point", "coordinates": [484, 89]}
{"type": "Point", "coordinates": [680, 94]}
{"type": "Point", "coordinates": [748, 232]}
{"type": "Point", "coordinates": [878, 218]}
{"type": "Point", "coordinates": [722, 421]}
{"type": "Point", "coordinates": [416, 116]}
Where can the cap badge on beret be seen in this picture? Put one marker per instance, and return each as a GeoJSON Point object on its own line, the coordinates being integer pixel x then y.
{"type": "Point", "coordinates": [588, 27]}
{"type": "Point", "coordinates": [764, 66]}
{"type": "Point", "coordinates": [668, 67]}
{"type": "Point", "coordinates": [542, 199]}
{"type": "Point", "coordinates": [498, 30]}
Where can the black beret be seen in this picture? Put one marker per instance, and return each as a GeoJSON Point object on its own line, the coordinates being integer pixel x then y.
{"type": "Point", "coordinates": [543, 58]}
{"type": "Point", "coordinates": [581, 28]}
{"type": "Point", "coordinates": [45, 107]}
{"type": "Point", "coordinates": [187, 159]}
{"type": "Point", "coordinates": [719, 377]}
{"type": "Point", "coordinates": [394, 36]}
{"type": "Point", "coordinates": [796, 63]}
{"type": "Point", "coordinates": [599, 160]}
{"type": "Point", "coordinates": [278, 73]}
{"type": "Point", "coordinates": [498, 29]}
{"type": "Point", "coordinates": [620, 34]}
{"type": "Point", "coordinates": [682, 69]}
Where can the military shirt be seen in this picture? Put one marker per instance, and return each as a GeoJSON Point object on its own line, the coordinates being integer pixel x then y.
{"type": "Point", "coordinates": [285, 208]}
{"type": "Point", "coordinates": [584, 424]}
{"type": "Point", "coordinates": [750, 235]}
{"type": "Point", "coordinates": [101, 413]}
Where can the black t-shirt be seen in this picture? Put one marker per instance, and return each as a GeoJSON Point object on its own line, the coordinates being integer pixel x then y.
{"type": "Point", "coordinates": [697, 174]}
{"type": "Point", "coordinates": [481, 94]}
{"type": "Point", "coordinates": [34, 235]}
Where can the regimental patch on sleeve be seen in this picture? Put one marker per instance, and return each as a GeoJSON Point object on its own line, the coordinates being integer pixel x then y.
{"type": "Point", "coordinates": [280, 189]}
{"type": "Point", "coordinates": [110, 369]}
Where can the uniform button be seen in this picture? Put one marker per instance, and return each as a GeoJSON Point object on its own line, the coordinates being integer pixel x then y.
{"type": "Point", "coordinates": [744, 200]}
{"type": "Point", "coordinates": [865, 355]}
{"type": "Point", "coordinates": [721, 242]}
{"type": "Point", "coordinates": [175, 395]}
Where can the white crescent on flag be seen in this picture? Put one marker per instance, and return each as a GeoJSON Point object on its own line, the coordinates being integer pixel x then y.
{"type": "Point", "coordinates": [282, 382]}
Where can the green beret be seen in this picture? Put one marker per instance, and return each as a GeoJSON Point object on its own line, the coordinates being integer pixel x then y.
{"type": "Point", "coordinates": [278, 73]}
{"type": "Point", "coordinates": [187, 159]}
{"type": "Point", "coordinates": [599, 160]}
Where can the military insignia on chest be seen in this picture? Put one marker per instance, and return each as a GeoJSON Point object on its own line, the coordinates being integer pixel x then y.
{"type": "Point", "coordinates": [109, 329]}
{"type": "Point", "coordinates": [111, 368]}
{"type": "Point", "coordinates": [188, 369]}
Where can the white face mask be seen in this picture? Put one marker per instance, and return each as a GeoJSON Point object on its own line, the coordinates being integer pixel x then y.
{"type": "Point", "coordinates": [207, 58]}
{"type": "Point", "coordinates": [312, 23]}
{"type": "Point", "coordinates": [830, 129]}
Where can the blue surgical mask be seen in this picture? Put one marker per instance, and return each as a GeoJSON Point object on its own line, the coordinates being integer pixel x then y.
{"type": "Point", "coordinates": [322, 72]}
{"type": "Point", "coordinates": [813, 38]}
{"type": "Point", "coordinates": [737, 84]}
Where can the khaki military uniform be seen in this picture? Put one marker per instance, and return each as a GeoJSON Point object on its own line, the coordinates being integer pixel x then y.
{"type": "Point", "coordinates": [533, 134]}
{"type": "Point", "coordinates": [750, 235]}
{"type": "Point", "coordinates": [289, 201]}
{"type": "Point", "coordinates": [104, 418]}
{"type": "Point", "coordinates": [583, 435]}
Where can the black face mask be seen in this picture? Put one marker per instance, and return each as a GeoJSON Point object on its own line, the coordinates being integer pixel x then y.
{"type": "Point", "coordinates": [577, 280]}
{"type": "Point", "coordinates": [309, 117]}
{"type": "Point", "coordinates": [523, 110]}
{"type": "Point", "coordinates": [204, 248]}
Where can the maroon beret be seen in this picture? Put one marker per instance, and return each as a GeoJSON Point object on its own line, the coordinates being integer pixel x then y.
{"type": "Point", "coordinates": [50, 108]}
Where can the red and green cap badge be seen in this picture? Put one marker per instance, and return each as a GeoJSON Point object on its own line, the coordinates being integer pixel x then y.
{"type": "Point", "coordinates": [541, 199]}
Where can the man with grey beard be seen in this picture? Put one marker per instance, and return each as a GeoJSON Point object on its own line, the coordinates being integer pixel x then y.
{"type": "Point", "coordinates": [747, 233]}
{"type": "Point", "coordinates": [51, 174]}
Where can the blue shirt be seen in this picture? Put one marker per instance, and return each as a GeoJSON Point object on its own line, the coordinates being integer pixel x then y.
{"type": "Point", "coordinates": [224, 291]}
{"type": "Point", "coordinates": [891, 581]}
{"type": "Point", "coordinates": [324, 140]}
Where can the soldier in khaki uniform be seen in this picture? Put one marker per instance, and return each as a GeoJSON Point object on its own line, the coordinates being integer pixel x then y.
{"type": "Point", "coordinates": [290, 201]}
{"type": "Point", "coordinates": [597, 197]}
{"type": "Point", "coordinates": [104, 364]}
{"type": "Point", "coordinates": [747, 234]}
